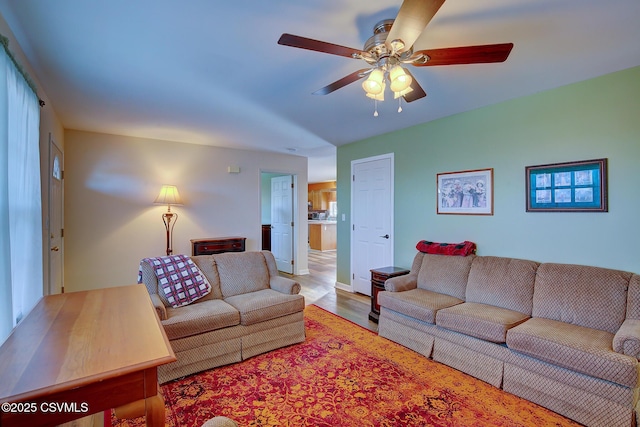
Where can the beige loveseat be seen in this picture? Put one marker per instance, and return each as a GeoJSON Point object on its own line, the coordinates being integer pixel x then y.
{"type": "Point", "coordinates": [566, 337]}
{"type": "Point", "coordinates": [250, 310]}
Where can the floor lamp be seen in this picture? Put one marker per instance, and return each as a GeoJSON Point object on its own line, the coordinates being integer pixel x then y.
{"type": "Point", "coordinates": [169, 196]}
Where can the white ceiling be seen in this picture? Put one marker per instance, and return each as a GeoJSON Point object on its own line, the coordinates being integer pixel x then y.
{"type": "Point", "coordinates": [211, 72]}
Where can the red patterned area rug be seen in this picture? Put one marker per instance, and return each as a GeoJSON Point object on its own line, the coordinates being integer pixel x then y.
{"type": "Point", "coordinates": [344, 375]}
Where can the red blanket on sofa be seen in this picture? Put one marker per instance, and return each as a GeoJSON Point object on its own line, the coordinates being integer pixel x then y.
{"type": "Point", "coordinates": [462, 249]}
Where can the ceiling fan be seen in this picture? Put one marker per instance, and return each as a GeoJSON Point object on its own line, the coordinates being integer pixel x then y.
{"type": "Point", "coordinates": [391, 46]}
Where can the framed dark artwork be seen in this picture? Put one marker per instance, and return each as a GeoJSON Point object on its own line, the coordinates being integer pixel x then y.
{"type": "Point", "coordinates": [567, 187]}
{"type": "Point", "coordinates": [466, 192]}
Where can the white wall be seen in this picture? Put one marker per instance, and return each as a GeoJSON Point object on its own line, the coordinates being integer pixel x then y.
{"type": "Point", "coordinates": [111, 182]}
{"type": "Point", "coordinates": [596, 118]}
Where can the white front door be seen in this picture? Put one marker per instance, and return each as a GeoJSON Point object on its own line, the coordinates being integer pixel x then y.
{"type": "Point", "coordinates": [372, 214]}
{"type": "Point", "coordinates": [282, 222]}
{"type": "Point", "coordinates": [56, 247]}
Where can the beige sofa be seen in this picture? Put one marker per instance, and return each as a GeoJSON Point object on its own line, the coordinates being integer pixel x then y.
{"type": "Point", "coordinates": [566, 337]}
{"type": "Point", "coordinates": [250, 310]}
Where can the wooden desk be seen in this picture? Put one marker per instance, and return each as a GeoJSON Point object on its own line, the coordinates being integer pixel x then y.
{"type": "Point", "coordinates": [79, 353]}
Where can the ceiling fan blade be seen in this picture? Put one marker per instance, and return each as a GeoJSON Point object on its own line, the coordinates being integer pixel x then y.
{"type": "Point", "coordinates": [338, 84]}
{"type": "Point", "coordinates": [466, 55]}
{"type": "Point", "coordinates": [318, 46]}
{"type": "Point", "coordinates": [413, 17]}
{"type": "Point", "coordinates": [417, 91]}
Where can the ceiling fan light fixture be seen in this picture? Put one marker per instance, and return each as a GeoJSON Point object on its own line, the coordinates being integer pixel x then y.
{"type": "Point", "coordinates": [391, 46]}
{"type": "Point", "coordinates": [400, 80]}
{"type": "Point", "coordinates": [398, 94]}
{"type": "Point", "coordinates": [374, 84]}
{"type": "Point", "coordinates": [380, 95]}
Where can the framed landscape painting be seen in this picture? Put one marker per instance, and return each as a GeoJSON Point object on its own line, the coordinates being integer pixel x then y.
{"type": "Point", "coordinates": [466, 192]}
{"type": "Point", "coordinates": [567, 187]}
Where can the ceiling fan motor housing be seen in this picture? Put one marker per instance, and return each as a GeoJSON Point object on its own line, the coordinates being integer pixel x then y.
{"type": "Point", "coordinates": [378, 52]}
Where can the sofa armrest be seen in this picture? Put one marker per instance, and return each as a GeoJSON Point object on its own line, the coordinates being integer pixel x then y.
{"type": "Point", "coordinates": [627, 339]}
{"type": "Point", "coordinates": [284, 285]}
{"type": "Point", "coordinates": [401, 283]}
{"type": "Point", "coordinates": [159, 306]}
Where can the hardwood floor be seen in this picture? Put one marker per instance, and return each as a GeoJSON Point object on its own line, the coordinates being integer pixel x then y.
{"type": "Point", "coordinates": [318, 288]}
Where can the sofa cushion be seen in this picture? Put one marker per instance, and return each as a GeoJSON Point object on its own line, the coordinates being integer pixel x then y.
{"type": "Point", "coordinates": [417, 303]}
{"type": "Point", "coordinates": [241, 272]}
{"type": "Point", "coordinates": [266, 304]}
{"type": "Point", "coordinates": [445, 274]}
{"type": "Point", "coordinates": [592, 297]}
{"type": "Point", "coordinates": [482, 321]}
{"type": "Point", "coordinates": [502, 282]}
{"type": "Point", "coordinates": [585, 350]}
{"type": "Point", "coordinates": [199, 317]}
{"type": "Point", "coordinates": [207, 265]}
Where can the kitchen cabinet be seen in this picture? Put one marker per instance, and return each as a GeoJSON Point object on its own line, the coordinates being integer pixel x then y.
{"type": "Point", "coordinates": [322, 235]}
{"type": "Point", "coordinates": [321, 194]}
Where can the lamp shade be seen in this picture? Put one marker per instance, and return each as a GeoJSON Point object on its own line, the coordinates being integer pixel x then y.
{"type": "Point", "coordinates": [400, 80]}
{"type": "Point", "coordinates": [397, 95]}
{"type": "Point", "coordinates": [374, 83]}
{"type": "Point", "coordinates": [168, 196]}
{"type": "Point", "coordinates": [380, 95]}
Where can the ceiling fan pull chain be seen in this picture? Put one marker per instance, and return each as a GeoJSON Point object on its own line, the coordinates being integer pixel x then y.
{"type": "Point", "coordinates": [375, 112]}
{"type": "Point", "coordinates": [399, 104]}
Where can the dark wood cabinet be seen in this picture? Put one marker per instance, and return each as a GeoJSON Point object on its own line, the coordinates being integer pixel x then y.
{"type": "Point", "coordinates": [217, 245]}
{"type": "Point", "coordinates": [378, 277]}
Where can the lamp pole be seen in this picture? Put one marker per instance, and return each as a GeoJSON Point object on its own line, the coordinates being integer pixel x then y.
{"type": "Point", "coordinates": [169, 196]}
{"type": "Point", "coordinates": [167, 217]}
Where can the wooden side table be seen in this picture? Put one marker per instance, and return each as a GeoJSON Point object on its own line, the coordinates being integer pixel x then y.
{"type": "Point", "coordinates": [378, 277]}
{"type": "Point", "coordinates": [217, 245]}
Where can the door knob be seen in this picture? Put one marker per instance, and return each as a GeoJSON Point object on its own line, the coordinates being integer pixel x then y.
{"type": "Point", "coordinates": [55, 249]}
{"type": "Point", "coordinates": [386, 236]}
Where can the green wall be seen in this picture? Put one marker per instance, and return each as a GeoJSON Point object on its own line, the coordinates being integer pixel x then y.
{"type": "Point", "coordinates": [592, 119]}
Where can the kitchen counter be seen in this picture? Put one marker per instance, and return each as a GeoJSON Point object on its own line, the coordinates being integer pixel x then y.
{"type": "Point", "coordinates": [322, 235]}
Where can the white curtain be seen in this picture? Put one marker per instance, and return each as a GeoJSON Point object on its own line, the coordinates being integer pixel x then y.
{"type": "Point", "coordinates": [21, 279]}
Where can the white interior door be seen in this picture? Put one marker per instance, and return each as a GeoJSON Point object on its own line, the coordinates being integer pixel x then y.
{"type": "Point", "coordinates": [282, 222]}
{"type": "Point", "coordinates": [372, 215]}
{"type": "Point", "coordinates": [56, 202]}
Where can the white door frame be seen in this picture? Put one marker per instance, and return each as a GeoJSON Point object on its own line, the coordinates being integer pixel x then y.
{"type": "Point", "coordinates": [389, 156]}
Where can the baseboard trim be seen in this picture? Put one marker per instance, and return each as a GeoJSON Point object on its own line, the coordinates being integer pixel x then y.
{"type": "Point", "coordinates": [344, 287]}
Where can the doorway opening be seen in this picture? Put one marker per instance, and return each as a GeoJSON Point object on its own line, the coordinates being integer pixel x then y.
{"type": "Point", "coordinates": [278, 202]}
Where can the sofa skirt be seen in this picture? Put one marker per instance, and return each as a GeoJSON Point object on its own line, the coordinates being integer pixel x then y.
{"type": "Point", "coordinates": [478, 358]}
{"type": "Point", "coordinates": [469, 361]}
{"type": "Point", "coordinates": [407, 331]}
{"type": "Point", "coordinates": [234, 344]}
{"type": "Point", "coordinates": [587, 400]}
{"type": "Point", "coordinates": [272, 334]}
